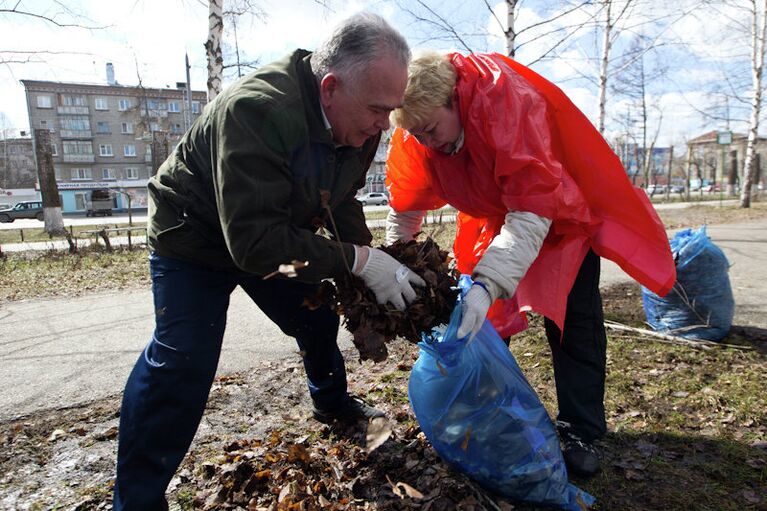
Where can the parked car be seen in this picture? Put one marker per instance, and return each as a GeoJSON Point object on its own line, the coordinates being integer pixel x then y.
{"type": "Point", "coordinates": [677, 189]}
{"type": "Point", "coordinates": [26, 209]}
{"type": "Point", "coordinates": [716, 187]}
{"type": "Point", "coordinates": [374, 199]}
{"type": "Point", "coordinates": [99, 203]}
{"type": "Point", "coordinates": [655, 189]}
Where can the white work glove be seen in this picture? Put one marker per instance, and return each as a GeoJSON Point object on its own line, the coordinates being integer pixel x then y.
{"type": "Point", "coordinates": [475, 305]}
{"type": "Point", "coordinates": [389, 279]}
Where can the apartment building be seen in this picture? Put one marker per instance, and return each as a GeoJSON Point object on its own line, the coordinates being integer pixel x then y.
{"type": "Point", "coordinates": [17, 163]}
{"type": "Point", "coordinates": [109, 136]}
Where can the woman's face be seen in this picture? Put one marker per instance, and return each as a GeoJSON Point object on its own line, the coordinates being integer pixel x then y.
{"type": "Point", "coordinates": [440, 130]}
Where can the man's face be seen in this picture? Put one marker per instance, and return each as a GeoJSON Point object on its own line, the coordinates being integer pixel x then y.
{"type": "Point", "coordinates": [360, 109]}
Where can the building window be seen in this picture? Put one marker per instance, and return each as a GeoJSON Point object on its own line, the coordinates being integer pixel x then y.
{"type": "Point", "coordinates": [195, 107]}
{"type": "Point", "coordinates": [101, 104]}
{"type": "Point", "coordinates": [174, 106]}
{"type": "Point", "coordinates": [127, 127]}
{"type": "Point", "coordinates": [176, 128]}
{"type": "Point", "coordinates": [68, 100]}
{"type": "Point", "coordinates": [107, 173]}
{"type": "Point", "coordinates": [105, 150]}
{"type": "Point", "coordinates": [75, 123]}
{"type": "Point", "coordinates": [57, 173]}
{"type": "Point", "coordinates": [153, 126]}
{"type": "Point", "coordinates": [103, 128]}
{"type": "Point", "coordinates": [131, 173]}
{"type": "Point", "coordinates": [124, 104]}
{"type": "Point", "coordinates": [77, 147]}
{"type": "Point", "coordinates": [149, 151]}
{"type": "Point", "coordinates": [80, 201]}
{"type": "Point", "coordinates": [129, 150]}
{"type": "Point", "coordinates": [44, 124]}
{"type": "Point", "coordinates": [81, 174]}
{"type": "Point", "coordinates": [156, 104]}
{"type": "Point", "coordinates": [44, 102]}
{"type": "Point", "coordinates": [54, 151]}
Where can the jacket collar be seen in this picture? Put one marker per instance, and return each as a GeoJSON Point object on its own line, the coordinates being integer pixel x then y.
{"type": "Point", "coordinates": [310, 90]}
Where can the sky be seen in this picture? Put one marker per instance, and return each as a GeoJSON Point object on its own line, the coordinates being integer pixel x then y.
{"type": "Point", "coordinates": [148, 39]}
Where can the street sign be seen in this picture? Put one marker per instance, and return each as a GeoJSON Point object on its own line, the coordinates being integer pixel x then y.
{"type": "Point", "coordinates": [724, 137]}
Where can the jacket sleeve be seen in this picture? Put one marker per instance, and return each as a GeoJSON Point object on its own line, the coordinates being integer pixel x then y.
{"type": "Point", "coordinates": [403, 225]}
{"type": "Point", "coordinates": [252, 181]}
{"type": "Point", "coordinates": [512, 251]}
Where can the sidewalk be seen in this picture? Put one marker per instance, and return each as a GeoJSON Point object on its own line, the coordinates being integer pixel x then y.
{"type": "Point", "coordinates": [61, 352]}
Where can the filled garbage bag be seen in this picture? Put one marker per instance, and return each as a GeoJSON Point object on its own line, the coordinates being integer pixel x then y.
{"type": "Point", "coordinates": [700, 305]}
{"type": "Point", "coordinates": [481, 415]}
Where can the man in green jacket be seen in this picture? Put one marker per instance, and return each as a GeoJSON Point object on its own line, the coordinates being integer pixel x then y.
{"type": "Point", "coordinates": [277, 154]}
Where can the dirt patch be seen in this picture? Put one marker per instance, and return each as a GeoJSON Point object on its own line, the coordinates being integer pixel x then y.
{"type": "Point", "coordinates": [686, 425]}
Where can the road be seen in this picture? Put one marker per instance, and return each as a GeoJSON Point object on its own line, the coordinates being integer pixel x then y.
{"type": "Point", "coordinates": [65, 351]}
{"type": "Point", "coordinates": [121, 218]}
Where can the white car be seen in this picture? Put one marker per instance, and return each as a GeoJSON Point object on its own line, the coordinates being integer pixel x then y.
{"type": "Point", "coordinates": [374, 199]}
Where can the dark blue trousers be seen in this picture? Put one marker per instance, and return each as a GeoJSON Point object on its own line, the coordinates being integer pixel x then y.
{"type": "Point", "coordinates": [168, 388]}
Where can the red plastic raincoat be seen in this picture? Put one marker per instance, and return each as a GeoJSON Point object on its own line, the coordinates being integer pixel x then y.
{"type": "Point", "coordinates": [528, 148]}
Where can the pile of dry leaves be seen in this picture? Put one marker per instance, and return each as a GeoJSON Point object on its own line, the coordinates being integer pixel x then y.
{"type": "Point", "coordinates": [334, 470]}
{"type": "Point", "coordinates": [373, 324]}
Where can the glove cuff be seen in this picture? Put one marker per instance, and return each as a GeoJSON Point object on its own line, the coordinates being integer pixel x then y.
{"type": "Point", "coordinates": [361, 259]}
{"type": "Point", "coordinates": [493, 289]}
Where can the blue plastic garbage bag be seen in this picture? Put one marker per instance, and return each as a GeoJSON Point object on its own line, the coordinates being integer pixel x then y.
{"type": "Point", "coordinates": [700, 305]}
{"type": "Point", "coordinates": [481, 416]}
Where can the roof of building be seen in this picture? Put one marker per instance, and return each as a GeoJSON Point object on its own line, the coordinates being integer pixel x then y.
{"type": "Point", "coordinates": [118, 89]}
{"type": "Point", "coordinates": [710, 137]}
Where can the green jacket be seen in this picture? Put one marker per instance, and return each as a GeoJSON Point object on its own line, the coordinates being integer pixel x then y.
{"type": "Point", "coordinates": [242, 188]}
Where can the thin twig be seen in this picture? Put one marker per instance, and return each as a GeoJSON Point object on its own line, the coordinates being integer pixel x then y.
{"type": "Point", "coordinates": [674, 339]}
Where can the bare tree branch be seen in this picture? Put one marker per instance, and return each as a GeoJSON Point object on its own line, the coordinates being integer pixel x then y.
{"type": "Point", "coordinates": [52, 20]}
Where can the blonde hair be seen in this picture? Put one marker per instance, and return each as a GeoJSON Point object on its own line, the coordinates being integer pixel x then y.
{"type": "Point", "coordinates": [431, 80]}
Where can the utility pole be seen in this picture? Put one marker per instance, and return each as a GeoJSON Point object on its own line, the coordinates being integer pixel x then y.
{"type": "Point", "coordinates": [188, 117]}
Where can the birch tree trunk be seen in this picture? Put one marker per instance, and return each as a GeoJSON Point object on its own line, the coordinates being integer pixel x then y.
{"type": "Point", "coordinates": [758, 34]}
{"type": "Point", "coordinates": [54, 221]}
{"type": "Point", "coordinates": [511, 35]}
{"type": "Point", "coordinates": [606, 46]}
{"type": "Point", "coordinates": [213, 47]}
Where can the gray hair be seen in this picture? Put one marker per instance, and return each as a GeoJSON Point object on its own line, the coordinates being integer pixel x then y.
{"type": "Point", "coordinates": [355, 43]}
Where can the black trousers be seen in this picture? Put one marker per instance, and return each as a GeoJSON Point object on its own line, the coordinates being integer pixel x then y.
{"type": "Point", "coordinates": [580, 355]}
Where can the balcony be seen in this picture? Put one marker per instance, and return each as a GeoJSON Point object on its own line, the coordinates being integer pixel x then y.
{"type": "Point", "coordinates": [73, 110]}
{"type": "Point", "coordinates": [75, 134]}
{"type": "Point", "coordinates": [78, 158]}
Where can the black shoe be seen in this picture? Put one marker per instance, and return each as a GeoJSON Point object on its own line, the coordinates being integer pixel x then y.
{"type": "Point", "coordinates": [353, 409]}
{"type": "Point", "coordinates": [581, 457]}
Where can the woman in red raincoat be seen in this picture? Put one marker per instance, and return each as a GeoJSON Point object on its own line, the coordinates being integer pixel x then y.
{"type": "Point", "coordinates": [541, 197]}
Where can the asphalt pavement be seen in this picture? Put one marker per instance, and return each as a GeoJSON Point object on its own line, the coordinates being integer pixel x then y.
{"type": "Point", "coordinates": [66, 351]}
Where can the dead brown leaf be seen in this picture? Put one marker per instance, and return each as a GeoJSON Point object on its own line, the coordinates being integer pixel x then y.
{"type": "Point", "coordinates": [378, 431]}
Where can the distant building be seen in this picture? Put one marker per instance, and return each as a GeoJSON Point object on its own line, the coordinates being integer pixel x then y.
{"type": "Point", "coordinates": [17, 164]}
{"type": "Point", "coordinates": [632, 156]}
{"type": "Point", "coordinates": [109, 136]}
{"type": "Point", "coordinates": [721, 164]}
{"type": "Point", "coordinates": [375, 181]}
